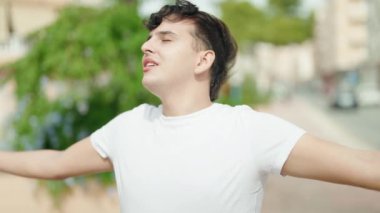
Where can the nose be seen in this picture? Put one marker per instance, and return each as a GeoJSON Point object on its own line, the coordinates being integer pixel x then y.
{"type": "Point", "coordinates": [146, 47]}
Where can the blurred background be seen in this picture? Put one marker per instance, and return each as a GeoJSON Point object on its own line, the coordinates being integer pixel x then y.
{"type": "Point", "coordinates": [69, 66]}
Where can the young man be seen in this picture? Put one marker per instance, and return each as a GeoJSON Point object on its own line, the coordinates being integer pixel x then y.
{"type": "Point", "coordinates": [190, 155]}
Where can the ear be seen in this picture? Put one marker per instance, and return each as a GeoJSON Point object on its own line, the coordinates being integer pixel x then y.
{"type": "Point", "coordinates": [205, 61]}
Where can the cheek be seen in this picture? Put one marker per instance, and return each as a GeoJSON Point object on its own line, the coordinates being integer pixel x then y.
{"type": "Point", "coordinates": [181, 69]}
{"type": "Point", "coordinates": [184, 60]}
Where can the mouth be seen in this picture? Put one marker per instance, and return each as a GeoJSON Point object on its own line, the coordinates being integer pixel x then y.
{"type": "Point", "coordinates": [149, 64]}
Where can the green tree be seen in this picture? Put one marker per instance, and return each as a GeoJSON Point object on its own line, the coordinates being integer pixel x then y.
{"type": "Point", "coordinates": [245, 21]}
{"type": "Point", "coordinates": [279, 23]}
{"type": "Point", "coordinates": [92, 57]}
{"type": "Point", "coordinates": [246, 93]}
{"type": "Point", "coordinates": [286, 7]}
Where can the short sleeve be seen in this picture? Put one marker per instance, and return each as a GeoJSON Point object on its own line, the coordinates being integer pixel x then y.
{"type": "Point", "coordinates": [273, 139]}
{"type": "Point", "coordinates": [103, 140]}
{"type": "Point", "coordinates": [107, 139]}
{"type": "Point", "coordinates": [286, 136]}
{"type": "Point", "coordinates": [98, 141]}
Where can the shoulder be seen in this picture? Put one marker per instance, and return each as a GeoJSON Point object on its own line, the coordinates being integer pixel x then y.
{"type": "Point", "coordinates": [238, 111]}
{"type": "Point", "coordinates": [246, 111]}
{"type": "Point", "coordinates": [228, 108]}
{"type": "Point", "coordinates": [248, 116]}
{"type": "Point", "coordinates": [238, 116]}
{"type": "Point", "coordinates": [139, 113]}
{"type": "Point", "coordinates": [144, 110]}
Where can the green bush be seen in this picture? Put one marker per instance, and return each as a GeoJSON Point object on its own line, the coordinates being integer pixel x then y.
{"type": "Point", "coordinates": [92, 57]}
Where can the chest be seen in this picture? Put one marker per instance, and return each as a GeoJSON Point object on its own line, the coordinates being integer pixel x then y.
{"type": "Point", "coordinates": [204, 160]}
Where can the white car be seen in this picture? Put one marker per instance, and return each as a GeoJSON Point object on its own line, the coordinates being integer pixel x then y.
{"type": "Point", "coordinates": [344, 99]}
{"type": "Point", "coordinates": [368, 95]}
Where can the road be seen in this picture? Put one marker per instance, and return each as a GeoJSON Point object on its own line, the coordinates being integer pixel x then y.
{"type": "Point", "coordinates": [363, 122]}
{"type": "Point", "coordinates": [292, 195]}
{"type": "Point", "coordinates": [21, 195]}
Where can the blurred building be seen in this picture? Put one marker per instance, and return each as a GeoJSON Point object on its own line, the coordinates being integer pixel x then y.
{"type": "Point", "coordinates": [276, 68]}
{"type": "Point", "coordinates": [341, 39]}
{"type": "Point", "coordinates": [374, 41]}
{"type": "Point", "coordinates": [18, 18]}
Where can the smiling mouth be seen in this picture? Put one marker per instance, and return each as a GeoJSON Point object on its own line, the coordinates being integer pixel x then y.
{"type": "Point", "coordinates": [148, 64]}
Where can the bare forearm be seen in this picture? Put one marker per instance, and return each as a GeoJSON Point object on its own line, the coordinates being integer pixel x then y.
{"type": "Point", "coordinates": [33, 164]}
{"type": "Point", "coordinates": [78, 159]}
{"type": "Point", "coordinates": [370, 177]}
{"type": "Point", "coordinates": [364, 170]}
{"type": "Point", "coordinates": [313, 158]}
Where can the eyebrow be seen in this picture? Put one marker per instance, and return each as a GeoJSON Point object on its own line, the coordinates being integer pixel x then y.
{"type": "Point", "coordinates": [162, 34]}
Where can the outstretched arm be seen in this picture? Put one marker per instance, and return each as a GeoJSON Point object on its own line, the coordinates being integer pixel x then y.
{"type": "Point", "coordinates": [79, 159]}
{"type": "Point", "coordinates": [314, 158]}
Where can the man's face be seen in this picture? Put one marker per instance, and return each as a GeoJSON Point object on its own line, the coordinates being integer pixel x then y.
{"type": "Point", "coordinates": [169, 56]}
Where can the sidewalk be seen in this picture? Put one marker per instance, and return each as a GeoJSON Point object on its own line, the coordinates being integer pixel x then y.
{"type": "Point", "coordinates": [19, 195]}
{"type": "Point", "coordinates": [294, 195]}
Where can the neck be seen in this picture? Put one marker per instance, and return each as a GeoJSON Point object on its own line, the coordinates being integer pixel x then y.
{"type": "Point", "coordinates": [183, 105]}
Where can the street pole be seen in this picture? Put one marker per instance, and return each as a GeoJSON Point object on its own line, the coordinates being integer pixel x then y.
{"type": "Point", "coordinates": [9, 19]}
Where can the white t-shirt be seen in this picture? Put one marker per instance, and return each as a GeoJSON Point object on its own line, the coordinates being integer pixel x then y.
{"type": "Point", "coordinates": [212, 161]}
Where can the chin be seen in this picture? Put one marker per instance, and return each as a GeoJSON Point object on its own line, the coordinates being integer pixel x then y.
{"type": "Point", "coordinates": [151, 86]}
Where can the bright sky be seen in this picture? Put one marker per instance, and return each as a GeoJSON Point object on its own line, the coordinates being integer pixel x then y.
{"type": "Point", "coordinates": [150, 6]}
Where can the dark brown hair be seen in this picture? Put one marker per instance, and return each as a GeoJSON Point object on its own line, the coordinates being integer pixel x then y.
{"type": "Point", "coordinates": [211, 31]}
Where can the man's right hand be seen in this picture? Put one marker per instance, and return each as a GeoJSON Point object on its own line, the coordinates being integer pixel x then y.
{"type": "Point", "coordinates": [79, 159]}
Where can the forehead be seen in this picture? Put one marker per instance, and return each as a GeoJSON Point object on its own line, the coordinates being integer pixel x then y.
{"type": "Point", "coordinates": [182, 27]}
